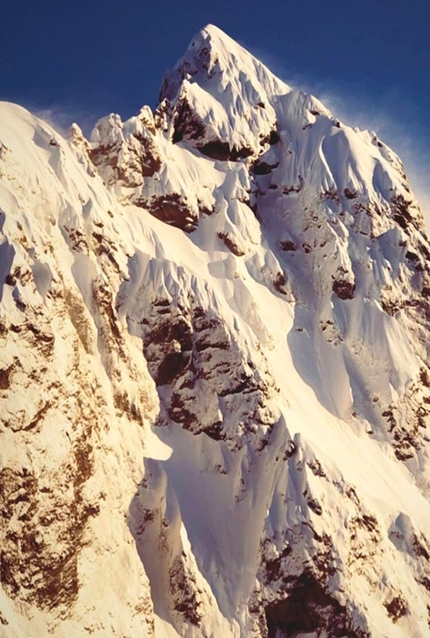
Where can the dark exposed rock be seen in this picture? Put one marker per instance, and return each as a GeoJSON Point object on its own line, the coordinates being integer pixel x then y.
{"type": "Point", "coordinates": [421, 306]}
{"type": "Point", "coordinates": [424, 251]}
{"type": "Point", "coordinates": [290, 451]}
{"type": "Point", "coordinates": [104, 154]}
{"type": "Point", "coordinates": [350, 194]}
{"type": "Point", "coordinates": [172, 209]}
{"type": "Point", "coordinates": [38, 559]}
{"type": "Point", "coordinates": [425, 582]}
{"type": "Point", "coordinates": [190, 348]}
{"type": "Point", "coordinates": [288, 246]}
{"type": "Point", "coordinates": [391, 306]}
{"type": "Point", "coordinates": [5, 375]}
{"type": "Point", "coordinates": [294, 188]}
{"type": "Point", "coordinates": [273, 567]}
{"type": "Point", "coordinates": [172, 357]}
{"type": "Point", "coordinates": [104, 247]}
{"type": "Point", "coordinates": [389, 415]}
{"type": "Point", "coordinates": [149, 158]}
{"type": "Point", "coordinates": [187, 126]}
{"type": "Point", "coordinates": [44, 341]}
{"type": "Point", "coordinates": [205, 210]}
{"type": "Point", "coordinates": [20, 304]}
{"type": "Point", "coordinates": [169, 330]}
{"type": "Point", "coordinates": [314, 506]}
{"type": "Point", "coordinates": [330, 194]}
{"type": "Point", "coordinates": [368, 522]}
{"type": "Point", "coordinates": [308, 608]}
{"type": "Point", "coordinates": [344, 289]}
{"type": "Point", "coordinates": [173, 364]}
{"type": "Point", "coordinates": [405, 442]}
{"type": "Point", "coordinates": [271, 139]}
{"type": "Point", "coordinates": [280, 282]}
{"type": "Point", "coordinates": [316, 468]}
{"type": "Point", "coordinates": [76, 239]}
{"type": "Point", "coordinates": [216, 432]}
{"type": "Point", "coordinates": [125, 405]}
{"type": "Point", "coordinates": [78, 317]}
{"type": "Point", "coordinates": [103, 298]}
{"type": "Point", "coordinates": [396, 607]}
{"type": "Point", "coordinates": [222, 151]}
{"type": "Point", "coordinates": [420, 549]}
{"type": "Point", "coordinates": [365, 540]}
{"type": "Point", "coordinates": [412, 256]}
{"type": "Point", "coordinates": [231, 244]}
{"type": "Point", "coordinates": [263, 168]}
{"type": "Point", "coordinates": [274, 137]}
{"type": "Point", "coordinates": [130, 161]}
{"type": "Point", "coordinates": [401, 212]}
{"type": "Point", "coordinates": [35, 422]}
{"type": "Point", "coordinates": [185, 593]}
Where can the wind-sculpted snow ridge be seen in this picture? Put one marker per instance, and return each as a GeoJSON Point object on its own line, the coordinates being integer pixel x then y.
{"type": "Point", "coordinates": [214, 369]}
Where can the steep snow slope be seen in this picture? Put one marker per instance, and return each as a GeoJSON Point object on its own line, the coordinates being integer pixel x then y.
{"type": "Point", "coordinates": [214, 375]}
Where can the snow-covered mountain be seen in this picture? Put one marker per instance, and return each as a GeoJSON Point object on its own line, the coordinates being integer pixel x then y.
{"type": "Point", "coordinates": [214, 369]}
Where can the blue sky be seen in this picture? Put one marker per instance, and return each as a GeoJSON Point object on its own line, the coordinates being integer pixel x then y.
{"type": "Point", "coordinates": [370, 60]}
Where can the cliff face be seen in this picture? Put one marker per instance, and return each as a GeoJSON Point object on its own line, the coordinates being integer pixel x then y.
{"type": "Point", "coordinates": [214, 369]}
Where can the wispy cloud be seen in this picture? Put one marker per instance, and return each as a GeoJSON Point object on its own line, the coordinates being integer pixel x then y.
{"type": "Point", "coordinates": [61, 117]}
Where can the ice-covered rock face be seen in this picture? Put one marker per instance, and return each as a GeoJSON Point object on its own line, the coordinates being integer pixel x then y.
{"type": "Point", "coordinates": [214, 372]}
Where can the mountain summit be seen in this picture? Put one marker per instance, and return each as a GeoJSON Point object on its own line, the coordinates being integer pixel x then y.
{"type": "Point", "coordinates": [215, 369]}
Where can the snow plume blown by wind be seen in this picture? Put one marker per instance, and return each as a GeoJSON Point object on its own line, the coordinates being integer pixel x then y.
{"type": "Point", "coordinates": [391, 116]}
